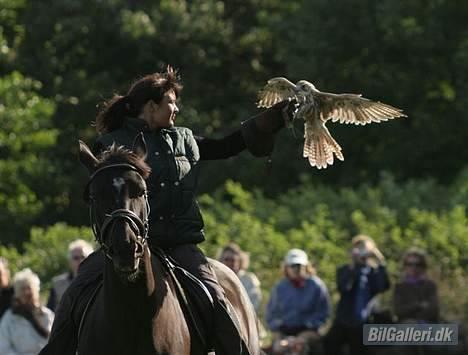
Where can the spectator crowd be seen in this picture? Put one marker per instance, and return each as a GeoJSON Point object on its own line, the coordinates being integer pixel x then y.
{"type": "Point", "coordinates": [298, 312]}
{"type": "Point", "coordinates": [25, 324]}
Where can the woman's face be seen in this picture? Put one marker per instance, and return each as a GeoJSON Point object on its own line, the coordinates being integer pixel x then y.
{"type": "Point", "coordinates": [163, 114]}
{"type": "Point", "coordinates": [28, 296]}
{"type": "Point", "coordinates": [413, 266]}
{"type": "Point", "coordinates": [231, 260]}
{"type": "Point", "coordinates": [296, 271]}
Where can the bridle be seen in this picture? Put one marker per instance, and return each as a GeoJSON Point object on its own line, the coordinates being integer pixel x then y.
{"type": "Point", "coordinates": [139, 226]}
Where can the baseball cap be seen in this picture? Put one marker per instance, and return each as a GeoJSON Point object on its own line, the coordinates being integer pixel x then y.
{"type": "Point", "coordinates": [296, 256]}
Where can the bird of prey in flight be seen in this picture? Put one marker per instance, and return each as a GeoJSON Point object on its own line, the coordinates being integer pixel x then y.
{"type": "Point", "coordinates": [317, 107]}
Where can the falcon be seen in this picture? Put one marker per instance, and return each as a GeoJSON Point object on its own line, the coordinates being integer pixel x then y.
{"type": "Point", "coordinates": [317, 107]}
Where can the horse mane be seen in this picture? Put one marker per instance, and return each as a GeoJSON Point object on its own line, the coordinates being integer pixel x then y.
{"type": "Point", "coordinates": [116, 154]}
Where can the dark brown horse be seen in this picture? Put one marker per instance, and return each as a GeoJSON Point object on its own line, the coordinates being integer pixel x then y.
{"type": "Point", "coordinates": [136, 310]}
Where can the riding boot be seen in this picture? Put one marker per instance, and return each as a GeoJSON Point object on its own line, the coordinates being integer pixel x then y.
{"type": "Point", "coordinates": [228, 340]}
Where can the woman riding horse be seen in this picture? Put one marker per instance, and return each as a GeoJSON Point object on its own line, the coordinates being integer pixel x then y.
{"type": "Point", "coordinates": [175, 222]}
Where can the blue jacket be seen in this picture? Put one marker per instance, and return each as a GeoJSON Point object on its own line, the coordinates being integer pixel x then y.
{"type": "Point", "coordinates": [350, 283]}
{"type": "Point", "coordinates": [291, 307]}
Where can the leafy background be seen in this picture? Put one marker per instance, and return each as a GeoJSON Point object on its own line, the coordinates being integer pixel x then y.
{"type": "Point", "coordinates": [403, 182]}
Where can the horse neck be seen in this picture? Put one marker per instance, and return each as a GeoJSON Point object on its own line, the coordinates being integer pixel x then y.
{"type": "Point", "coordinates": [134, 298]}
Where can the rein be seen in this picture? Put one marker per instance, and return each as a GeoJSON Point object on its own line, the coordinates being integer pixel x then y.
{"type": "Point", "coordinates": [140, 227]}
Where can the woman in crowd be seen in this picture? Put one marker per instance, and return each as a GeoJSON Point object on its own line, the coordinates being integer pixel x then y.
{"type": "Point", "coordinates": [238, 261]}
{"type": "Point", "coordinates": [25, 327]}
{"type": "Point", "coordinates": [415, 296]}
{"type": "Point", "coordinates": [299, 304]}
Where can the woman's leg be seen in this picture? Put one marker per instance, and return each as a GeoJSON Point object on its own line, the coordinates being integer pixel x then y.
{"type": "Point", "coordinates": [228, 339]}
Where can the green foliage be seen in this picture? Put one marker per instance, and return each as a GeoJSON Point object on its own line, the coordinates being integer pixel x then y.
{"type": "Point", "coordinates": [322, 221]}
{"type": "Point", "coordinates": [47, 250]}
{"type": "Point", "coordinates": [318, 219]}
{"type": "Point", "coordinates": [11, 31]}
{"type": "Point", "coordinates": [395, 52]}
{"type": "Point", "coordinates": [25, 164]}
{"type": "Point", "coordinates": [403, 182]}
{"type": "Point", "coordinates": [84, 51]}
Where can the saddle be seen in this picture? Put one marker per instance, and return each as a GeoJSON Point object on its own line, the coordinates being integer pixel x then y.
{"type": "Point", "coordinates": [197, 302]}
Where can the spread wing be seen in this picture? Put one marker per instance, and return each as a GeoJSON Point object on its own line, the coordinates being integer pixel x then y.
{"type": "Point", "coordinates": [276, 90]}
{"type": "Point", "coordinates": [354, 109]}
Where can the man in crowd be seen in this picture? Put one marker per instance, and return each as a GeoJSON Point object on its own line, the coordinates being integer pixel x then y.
{"type": "Point", "coordinates": [78, 250]}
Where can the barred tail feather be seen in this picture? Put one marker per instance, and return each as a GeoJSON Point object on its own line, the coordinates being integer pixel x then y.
{"type": "Point", "coordinates": [319, 148]}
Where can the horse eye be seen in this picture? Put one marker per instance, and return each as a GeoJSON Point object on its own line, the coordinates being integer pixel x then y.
{"type": "Point", "coordinates": [137, 193]}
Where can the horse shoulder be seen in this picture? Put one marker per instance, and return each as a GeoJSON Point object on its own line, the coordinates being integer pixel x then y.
{"type": "Point", "coordinates": [239, 299]}
{"type": "Point", "coordinates": [171, 333]}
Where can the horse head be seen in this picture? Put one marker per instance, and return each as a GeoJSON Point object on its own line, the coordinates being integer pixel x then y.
{"type": "Point", "coordinates": [118, 200]}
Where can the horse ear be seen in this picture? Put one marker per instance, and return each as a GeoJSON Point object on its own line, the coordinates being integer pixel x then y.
{"type": "Point", "coordinates": [139, 146]}
{"type": "Point", "coordinates": [87, 158]}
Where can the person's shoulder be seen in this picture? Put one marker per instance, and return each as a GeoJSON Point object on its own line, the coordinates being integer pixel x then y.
{"type": "Point", "coordinates": [47, 314]}
{"type": "Point", "coordinates": [121, 136]}
{"type": "Point", "coordinates": [247, 274]}
{"type": "Point", "coordinates": [250, 276]}
{"type": "Point", "coordinates": [343, 267]}
{"type": "Point", "coordinates": [282, 284]}
{"type": "Point", "coordinates": [185, 131]}
{"type": "Point", "coordinates": [8, 313]}
{"type": "Point", "coordinates": [7, 316]}
{"type": "Point", "coordinates": [317, 281]}
{"type": "Point", "coordinates": [114, 136]}
{"type": "Point", "coordinates": [182, 129]}
{"type": "Point", "coordinates": [62, 277]}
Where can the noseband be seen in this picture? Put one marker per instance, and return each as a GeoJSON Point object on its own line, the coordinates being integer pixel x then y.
{"type": "Point", "coordinates": [138, 226]}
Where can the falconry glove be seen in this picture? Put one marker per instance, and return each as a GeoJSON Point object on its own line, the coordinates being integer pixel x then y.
{"type": "Point", "coordinates": [259, 131]}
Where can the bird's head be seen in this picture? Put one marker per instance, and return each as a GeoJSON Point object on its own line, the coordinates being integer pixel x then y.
{"type": "Point", "coordinates": [303, 87]}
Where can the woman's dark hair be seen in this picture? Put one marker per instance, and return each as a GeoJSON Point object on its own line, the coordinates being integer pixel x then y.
{"type": "Point", "coordinates": [150, 87]}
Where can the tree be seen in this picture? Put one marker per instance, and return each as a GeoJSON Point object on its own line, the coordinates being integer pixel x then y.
{"type": "Point", "coordinates": [26, 164]}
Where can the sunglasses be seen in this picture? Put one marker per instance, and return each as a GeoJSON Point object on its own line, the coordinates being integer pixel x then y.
{"type": "Point", "coordinates": [230, 259]}
{"type": "Point", "coordinates": [77, 257]}
{"type": "Point", "coordinates": [412, 264]}
{"type": "Point", "coordinates": [295, 266]}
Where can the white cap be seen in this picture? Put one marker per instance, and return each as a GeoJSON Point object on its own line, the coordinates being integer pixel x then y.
{"type": "Point", "coordinates": [296, 256]}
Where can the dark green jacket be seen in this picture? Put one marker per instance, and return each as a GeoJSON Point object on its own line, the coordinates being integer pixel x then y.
{"type": "Point", "coordinates": [173, 156]}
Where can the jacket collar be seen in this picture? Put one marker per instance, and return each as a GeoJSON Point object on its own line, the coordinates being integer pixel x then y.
{"type": "Point", "coordinates": [136, 124]}
{"type": "Point", "coordinates": [140, 125]}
